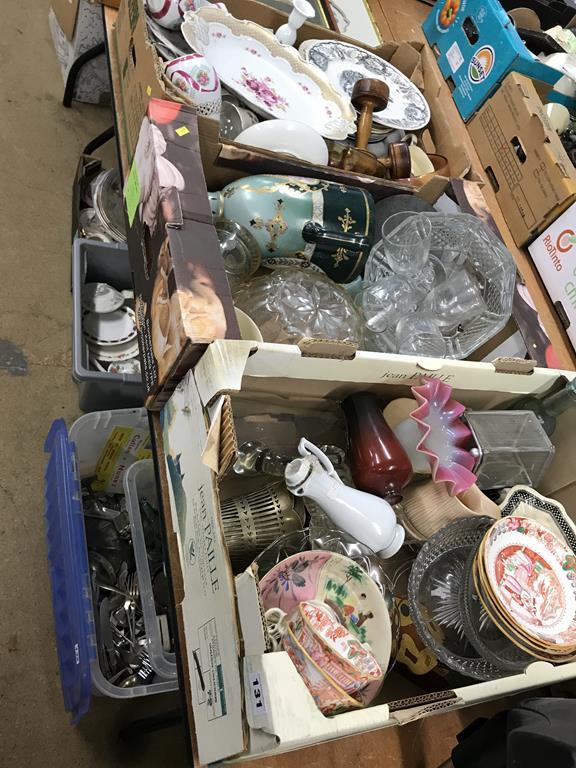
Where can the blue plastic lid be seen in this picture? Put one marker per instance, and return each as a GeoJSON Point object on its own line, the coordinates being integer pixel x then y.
{"type": "Point", "coordinates": [69, 574]}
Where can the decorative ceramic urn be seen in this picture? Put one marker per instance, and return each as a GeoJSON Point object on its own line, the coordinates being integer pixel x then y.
{"type": "Point", "coordinates": [328, 224]}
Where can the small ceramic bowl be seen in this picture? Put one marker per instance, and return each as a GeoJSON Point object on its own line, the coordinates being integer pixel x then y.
{"type": "Point", "coordinates": [350, 664]}
{"type": "Point", "coordinates": [249, 331]}
{"type": "Point", "coordinates": [289, 137]}
{"type": "Point", "coordinates": [169, 13]}
{"type": "Point", "coordinates": [329, 697]}
{"type": "Point", "coordinates": [194, 75]}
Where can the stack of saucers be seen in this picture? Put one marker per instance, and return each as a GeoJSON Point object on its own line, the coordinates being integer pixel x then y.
{"type": "Point", "coordinates": [109, 328]}
{"type": "Point", "coordinates": [524, 578]}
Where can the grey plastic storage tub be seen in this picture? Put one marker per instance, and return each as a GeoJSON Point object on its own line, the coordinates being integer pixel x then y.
{"type": "Point", "coordinates": [96, 262]}
{"type": "Point", "coordinates": [140, 482]}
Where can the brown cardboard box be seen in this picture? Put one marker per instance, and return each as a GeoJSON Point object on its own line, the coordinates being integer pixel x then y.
{"type": "Point", "coordinates": [532, 176]}
{"type": "Point", "coordinates": [183, 299]}
{"type": "Point", "coordinates": [140, 78]}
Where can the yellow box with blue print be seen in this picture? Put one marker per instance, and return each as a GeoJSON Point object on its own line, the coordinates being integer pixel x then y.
{"type": "Point", "coordinates": [477, 46]}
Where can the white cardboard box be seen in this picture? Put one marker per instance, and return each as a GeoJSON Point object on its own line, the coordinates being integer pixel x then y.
{"type": "Point", "coordinates": [245, 701]}
{"type": "Point", "coordinates": [554, 254]}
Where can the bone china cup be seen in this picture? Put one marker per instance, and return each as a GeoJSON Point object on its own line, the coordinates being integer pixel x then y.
{"type": "Point", "coordinates": [329, 697]}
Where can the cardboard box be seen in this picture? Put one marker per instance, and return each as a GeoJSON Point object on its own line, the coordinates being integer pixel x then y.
{"type": "Point", "coordinates": [183, 299]}
{"type": "Point", "coordinates": [76, 26]}
{"type": "Point", "coordinates": [554, 254]}
{"type": "Point", "coordinates": [139, 77]}
{"type": "Point", "coordinates": [523, 157]}
{"type": "Point", "coordinates": [246, 701]}
{"type": "Point", "coordinates": [477, 46]}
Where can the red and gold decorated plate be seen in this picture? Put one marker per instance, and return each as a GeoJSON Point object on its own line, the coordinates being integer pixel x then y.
{"type": "Point", "coordinates": [532, 575]}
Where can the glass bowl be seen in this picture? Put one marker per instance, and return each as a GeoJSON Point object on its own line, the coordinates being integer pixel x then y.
{"type": "Point", "coordinates": [470, 297]}
{"type": "Point", "coordinates": [289, 305]}
{"type": "Point", "coordinates": [483, 634]}
{"type": "Point", "coordinates": [434, 597]}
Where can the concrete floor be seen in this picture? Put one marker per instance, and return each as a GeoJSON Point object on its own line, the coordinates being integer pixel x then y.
{"type": "Point", "coordinates": [39, 146]}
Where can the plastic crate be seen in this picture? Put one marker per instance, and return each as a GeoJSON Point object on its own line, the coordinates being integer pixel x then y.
{"type": "Point", "coordinates": [140, 482]}
{"type": "Point", "coordinates": [96, 262]}
{"type": "Point", "coordinates": [72, 455]}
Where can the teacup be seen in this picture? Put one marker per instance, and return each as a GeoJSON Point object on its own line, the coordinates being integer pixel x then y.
{"type": "Point", "coordinates": [329, 697]}
{"type": "Point", "coordinates": [194, 75]}
{"type": "Point", "coordinates": [347, 662]}
{"type": "Point", "coordinates": [170, 13]}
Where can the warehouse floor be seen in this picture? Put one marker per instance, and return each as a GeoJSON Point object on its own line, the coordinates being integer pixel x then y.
{"type": "Point", "coordinates": [40, 142]}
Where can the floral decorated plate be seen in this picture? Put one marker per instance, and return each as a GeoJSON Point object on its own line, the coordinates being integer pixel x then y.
{"type": "Point", "coordinates": [345, 64]}
{"type": "Point", "coordinates": [532, 574]}
{"type": "Point", "coordinates": [341, 584]}
{"type": "Point", "coordinates": [270, 77]}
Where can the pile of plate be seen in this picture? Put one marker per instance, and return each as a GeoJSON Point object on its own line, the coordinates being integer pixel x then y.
{"type": "Point", "coordinates": [109, 328]}
{"type": "Point", "coordinates": [524, 577]}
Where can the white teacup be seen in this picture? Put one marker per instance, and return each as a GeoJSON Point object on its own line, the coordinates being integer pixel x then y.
{"type": "Point", "coordinates": [170, 13]}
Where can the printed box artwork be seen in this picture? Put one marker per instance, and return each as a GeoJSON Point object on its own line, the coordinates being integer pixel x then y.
{"type": "Point", "coordinates": [477, 46]}
{"type": "Point", "coordinates": [554, 254]}
{"type": "Point", "coordinates": [183, 299]}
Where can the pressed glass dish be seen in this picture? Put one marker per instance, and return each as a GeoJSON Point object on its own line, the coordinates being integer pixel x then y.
{"type": "Point", "coordinates": [470, 297]}
{"type": "Point", "coordinates": [434, 593]}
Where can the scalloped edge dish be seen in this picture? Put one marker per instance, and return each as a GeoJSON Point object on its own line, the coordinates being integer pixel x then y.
{"type": "Point", "coordinates": [248, 68]}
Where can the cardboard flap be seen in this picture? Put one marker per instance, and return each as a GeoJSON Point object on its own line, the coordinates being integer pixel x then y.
{"type": "Point", "coordinates": [208, 609]}
{"type": "Point", "coordinates": [405, 716]}
{"type": "Point", "coordinates": [221, 368]}
{"type": "Point", "coordinates": [514, 365]}
{"type": "Point", "coordinates": [292, 715]}
{"type": "Point", "coordinates": [449, 136]}
{"type": "Point", "coordinates": [336, 350]}
{"type": "Point", "coordinates": [254, 637]}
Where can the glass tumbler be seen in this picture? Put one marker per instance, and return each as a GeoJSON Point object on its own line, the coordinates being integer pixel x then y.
{"type": "Point", "coordinates": [384, 302]}
{"type": "Point", "coordinates": [406, 242]}
{"type": "Point", "coordinates": [420, 335]}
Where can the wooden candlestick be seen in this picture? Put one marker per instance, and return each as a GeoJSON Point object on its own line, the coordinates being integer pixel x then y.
{"type": "Point", "coordinates": [368, 96]}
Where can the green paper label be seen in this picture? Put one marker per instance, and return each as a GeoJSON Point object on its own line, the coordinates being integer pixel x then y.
{"type": "Point", "coordinates": [132, 193]}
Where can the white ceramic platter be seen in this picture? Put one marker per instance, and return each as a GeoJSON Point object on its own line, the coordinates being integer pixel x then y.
{"type": "Point", "coordinates": [270, 77]}
{"type": "Point", "coordinates": [111, 328]}
{"type": "Point", "coordinates": [345, 64]}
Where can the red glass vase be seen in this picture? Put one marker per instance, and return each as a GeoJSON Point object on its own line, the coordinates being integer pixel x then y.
{"type": "Point", "coordinates": [379, 463]}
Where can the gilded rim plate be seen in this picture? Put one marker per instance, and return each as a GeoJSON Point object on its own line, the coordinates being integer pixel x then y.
{"type": "Point", "coordinates": [532, 574]}
{"type": "Point", "coordinates": [272, 78]}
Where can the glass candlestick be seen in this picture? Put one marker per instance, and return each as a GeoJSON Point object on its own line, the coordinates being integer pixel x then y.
{"type": "Point", "coordinates": [378, 462]}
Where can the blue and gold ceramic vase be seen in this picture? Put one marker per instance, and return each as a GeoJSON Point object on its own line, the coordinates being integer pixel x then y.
{"type": "Point", "coordinates": [331, 225]}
